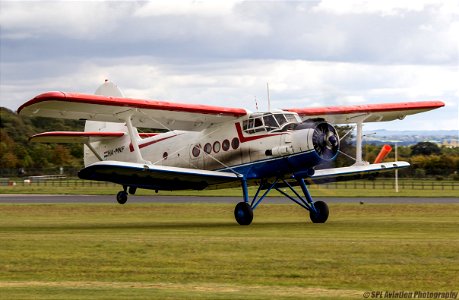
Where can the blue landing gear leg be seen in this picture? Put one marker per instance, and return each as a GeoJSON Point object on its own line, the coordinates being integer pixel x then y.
{"type": "Point", "coordinates": [318, 211]}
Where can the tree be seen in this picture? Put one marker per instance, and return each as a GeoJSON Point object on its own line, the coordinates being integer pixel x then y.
{"type": "Point", "coordinates": [425, 148]}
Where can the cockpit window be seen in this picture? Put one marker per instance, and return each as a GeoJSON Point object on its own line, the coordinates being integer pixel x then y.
{"type": "Point", "coordinates": [291, 118]}
{"type": "Point", "coordinates": [278, 121]}
{"type": "Point", "coordinates": [258, 122]}
{"type": "Point", "coordinates": [270, 122]}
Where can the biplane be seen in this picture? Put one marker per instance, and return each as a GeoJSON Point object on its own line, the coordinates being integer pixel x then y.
{"type": "Point", "coordinates": [210, 147]}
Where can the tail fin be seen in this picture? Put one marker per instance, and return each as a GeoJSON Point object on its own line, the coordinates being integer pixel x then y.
{"type": "Point", "coordinates": [108, 88]}
{"type": "Point", "coordinates": [99, 138]}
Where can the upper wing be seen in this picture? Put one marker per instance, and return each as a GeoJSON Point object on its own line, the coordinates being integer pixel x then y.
{"type": "Point", "coordinates": [368, 112]}
{"type": "Point", "coordinates": [144, 113]}
{"type": "Point", "coordinates": [156, 177]}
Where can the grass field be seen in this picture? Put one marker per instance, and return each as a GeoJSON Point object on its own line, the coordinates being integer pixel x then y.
{"type": "Point", "coordinates": [195, 251]}
{"type": "Point", "coordinates": [358, 188]}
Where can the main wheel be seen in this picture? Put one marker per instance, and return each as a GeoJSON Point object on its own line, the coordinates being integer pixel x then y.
{"type": "Point", "coordinates": [321, 215]}
{"type": "Point", "coordinates": [132, 190]}
{"type": "Point", "coordinates": [243, 213]}
{"type": "Point", "coordinates": [121, 197]}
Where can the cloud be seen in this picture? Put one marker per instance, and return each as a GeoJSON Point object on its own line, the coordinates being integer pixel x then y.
{"type": "Point", "coordinates": [66, 19]}
{"type": "Point", "coordinates": [311, 53]}
{"type": "Point", "coordinates": [390, 7]}
{"type": "Point", "coordinates": [259, 30]}
{"type": "Point", "coordinates": [185, 8]}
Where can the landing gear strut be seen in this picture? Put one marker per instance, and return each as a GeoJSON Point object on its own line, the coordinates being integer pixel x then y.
{"type": "Point", "coordinates": [243, 212]}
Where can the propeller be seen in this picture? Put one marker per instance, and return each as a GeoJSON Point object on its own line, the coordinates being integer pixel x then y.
{"type": "Point", "coordinates": [325, 141]}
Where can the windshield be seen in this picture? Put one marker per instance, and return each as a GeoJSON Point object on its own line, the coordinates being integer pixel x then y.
{"type": "Point", "coordinates": [268, 122]}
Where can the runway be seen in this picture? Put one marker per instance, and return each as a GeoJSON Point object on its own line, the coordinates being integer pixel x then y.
{"type": "Point", "coordinates": [43, 199]}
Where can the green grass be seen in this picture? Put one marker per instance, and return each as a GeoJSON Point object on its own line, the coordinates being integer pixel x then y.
{"type": "Point", "coordinates": [359, 188]}
{"type": "Point", "coordinates": [167, 251]}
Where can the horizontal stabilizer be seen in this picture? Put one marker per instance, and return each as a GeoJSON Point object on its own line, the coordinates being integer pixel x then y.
{"type": "Point", "coordinates": [73, 136]}
{"type": "Point", "coordinates": [82, 137]}
{"type": "Point", "coordinates": [155, 177]}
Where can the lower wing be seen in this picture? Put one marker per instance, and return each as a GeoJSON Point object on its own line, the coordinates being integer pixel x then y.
{"type": "Point", "coordinates": [157, 177]}
{"type": "Point", "coordinates": [355, 172]}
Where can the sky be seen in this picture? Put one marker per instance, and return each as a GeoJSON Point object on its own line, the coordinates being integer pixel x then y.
{"type": "Point", "coordinates": [312, 53]}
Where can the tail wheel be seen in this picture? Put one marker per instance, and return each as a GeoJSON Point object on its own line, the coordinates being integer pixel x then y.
{"type": "Point", "coordinates": [243, 213]}
{"type": "Point", "coordinates": [321, 213]}
{"type": "Point", "coordinates": [122, 197]}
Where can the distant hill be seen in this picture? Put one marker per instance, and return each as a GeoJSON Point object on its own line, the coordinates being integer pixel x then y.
{"type": "Point", "coordinates": [410, 137]}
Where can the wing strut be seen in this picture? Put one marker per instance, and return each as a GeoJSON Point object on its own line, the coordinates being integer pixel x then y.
{"type": "Point", "coordinates": [88, 144]}
{"type": "Point", "coordinates": [358, 144]}
{"type": "Point", "coordinates": [358, 139]}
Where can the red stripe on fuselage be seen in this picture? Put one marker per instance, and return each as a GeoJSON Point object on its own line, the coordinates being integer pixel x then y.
{"type": "Point", "coordinates": [244, 139]}
{"type": "Point", "coordinates": [145, 135]}
{"type": "Point", "coordinates": [131, 148]}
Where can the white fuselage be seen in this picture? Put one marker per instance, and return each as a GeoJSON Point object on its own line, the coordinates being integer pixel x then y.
{"type": "Point", "coordinates": [217, 147]}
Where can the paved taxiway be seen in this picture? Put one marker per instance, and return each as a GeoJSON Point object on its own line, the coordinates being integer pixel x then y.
{"type": "Point", "coordinates": [5, 198]}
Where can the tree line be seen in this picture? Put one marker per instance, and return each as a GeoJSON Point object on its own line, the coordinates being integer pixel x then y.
{"type": "Point", "coordinates": [17, 153]}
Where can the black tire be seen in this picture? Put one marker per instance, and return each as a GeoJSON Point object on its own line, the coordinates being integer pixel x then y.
{"type": "Point", "coordinates": [243, 213]}
{"type": "Point", "coordinates": [322, 212]}
{"type": "Point", "coordinates": [121, 197]}
{"type": "Point", "coordinates": [132, 190]}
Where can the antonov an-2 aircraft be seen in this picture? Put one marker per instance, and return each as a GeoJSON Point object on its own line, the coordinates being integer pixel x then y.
{"type": "Point", "coordinates": [210, 147]}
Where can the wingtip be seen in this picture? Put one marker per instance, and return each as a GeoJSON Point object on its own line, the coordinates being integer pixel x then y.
{"type": "Point", "coordinates": [39, 98]}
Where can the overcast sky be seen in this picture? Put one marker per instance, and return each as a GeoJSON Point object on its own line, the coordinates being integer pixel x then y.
{"type": "Point", "coordinates": [312, 53]}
